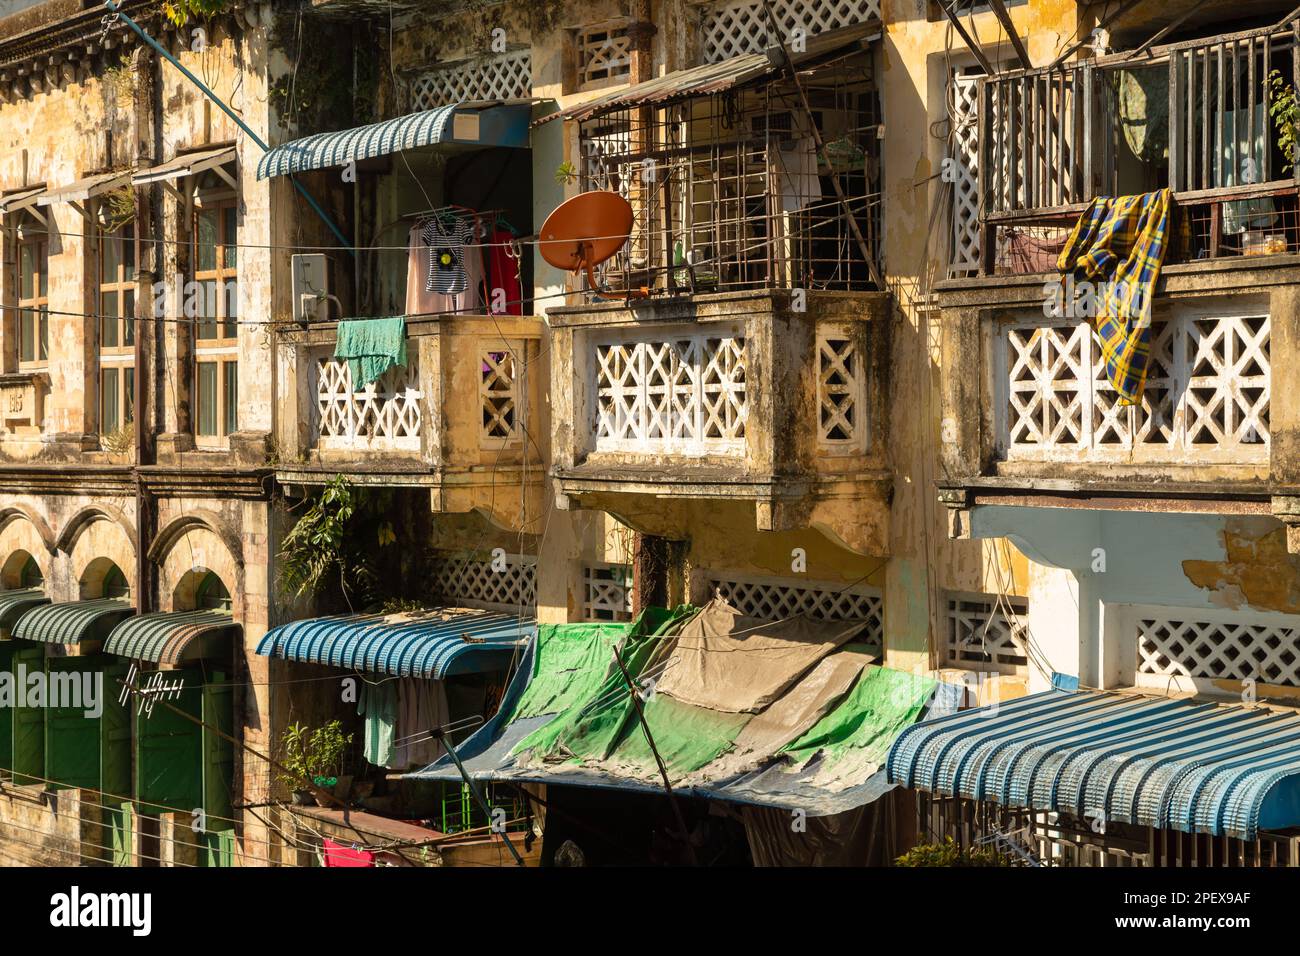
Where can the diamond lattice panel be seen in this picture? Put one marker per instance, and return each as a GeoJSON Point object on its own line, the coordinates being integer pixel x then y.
{"type": "Point", "coordinates": [1268, 653]}
{"type": "Point", "coordinates": [502, 77]}
{"type": "Point", "coordinates": [734, 27]}
{"type": "Point", "coordinates": [383, 415]}
{"type": "Point", "coordinates": [507, 585]}
{"type": "Point", "coordinates": [776, 600]}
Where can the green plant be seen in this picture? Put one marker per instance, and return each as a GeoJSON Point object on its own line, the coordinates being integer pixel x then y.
{"type": "Point", "coordinates": [118, 208]}
{"type": "Point", "coordinates": [119, 440]}
{"type": "Point", "coordinates": [314, 548]}
{"type": "Point", "coordinates": [307, 754]}
{"type": "Point", "coordinates": [1285, 111]}
{"type": "Point", "coordinates": [179, 12]}
{"type": "Point", "coordinates": [948, 853]}
{"type": "Point", "coordinates": [565, 174]}
{"type": "Point", "coordinates": [120, 78]}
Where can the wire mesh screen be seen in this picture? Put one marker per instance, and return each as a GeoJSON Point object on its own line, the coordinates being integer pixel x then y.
{"type": "Point", "coordinates": [730, 190]}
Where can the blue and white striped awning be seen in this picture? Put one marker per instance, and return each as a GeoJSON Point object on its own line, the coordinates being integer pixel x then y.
{"type": "Point", "coordinates": [1171, 764]}
{"type": "Point", "coordinates": [430, 644]}
{"type": "Point", "coordinates": [459, 124]}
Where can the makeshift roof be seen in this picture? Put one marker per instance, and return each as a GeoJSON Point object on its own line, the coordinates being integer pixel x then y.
{"type": "Point", "coordinates": [811, 734]}
{"type": "Point", "coordinates": [717, 77]}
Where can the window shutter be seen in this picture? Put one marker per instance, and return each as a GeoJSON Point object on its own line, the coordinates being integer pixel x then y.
{"type": "Point", "coordinates": [71, 738]}
{"type": "Point", "coordinates": [115, 738]}
{"type": "Point", "coordinates": [7, 713]}
{"type": "Point", "coordinates": [218, 752]}
{"type": "Point", "coordinates": [28, 722]}
{"type": "Point", "coordinates": [169, 751]}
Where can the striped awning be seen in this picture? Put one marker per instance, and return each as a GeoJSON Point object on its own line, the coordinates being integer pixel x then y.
{"type": "Point", "coordinates": [16, 602]}
{"type": "Point", "coordinates": [1180, 764]}
{"type": "Point", "coordinates": [458, 124]}
{"type": "Point", "coordinates": [170, 638]}
{"type": "Point", "coordinates": [71, 622]}
{"type": "Point", "coordinates": [429, 644]}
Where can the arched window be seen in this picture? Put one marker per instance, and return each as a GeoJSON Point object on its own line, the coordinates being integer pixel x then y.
{"type": "Point", "coordinates": [115, 584]}
{"type": "Point", "coordinates": [212, 594]}
{"type": "Point", "coordinates": [31, 576]}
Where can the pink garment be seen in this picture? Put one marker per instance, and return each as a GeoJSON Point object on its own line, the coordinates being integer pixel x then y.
{"type": "Point", "coordinates": [336, 854]}
{"type": "Point", "coordinates": [420, 302]}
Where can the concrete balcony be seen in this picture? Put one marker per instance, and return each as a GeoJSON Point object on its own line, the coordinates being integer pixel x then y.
{"type": "Point", "coordinates": [1029, 417]}
{"type": "Point", "coordinates": [464, 418]}
{"type": "Point", "coordinates": [771, 398]}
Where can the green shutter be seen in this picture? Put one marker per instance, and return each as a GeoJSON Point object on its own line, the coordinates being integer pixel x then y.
{"type": "Point", "coordinates": [117, 827]}
{"type": "Point", "coordinates": [71, 738]}
{"type": "Point", "coordinates": [28, 722]}
{"type": "Point", "coordinates": [7, 649]}
{"type": "Point", "coordinates": [218, 752]}
{"type": "Point", "coordinates": [115, 737]}
{"type": "Point", "coordinates": [169, 750]}
{"type": "Point", "coordinates": [219, 848]}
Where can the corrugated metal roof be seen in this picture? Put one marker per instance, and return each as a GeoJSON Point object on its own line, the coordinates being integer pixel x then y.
{"type": "Point", "coordinates": [168, 638]}
{"type": "Point", "coordinates": [70, 622]}
{"type": "Point", "coordinates": [432, 644]}
{"type": "Point", "coordinates": [505, 124]}
{"type": "Point", "coordinates": [1181, 764]}
{"type": "Point", "coordinates": [17, 601]}
{"type": "Point", "coordinates": [714, 77]}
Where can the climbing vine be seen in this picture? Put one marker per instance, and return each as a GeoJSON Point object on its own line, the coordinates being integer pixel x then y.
{"type": "Point", "coordinates": [179, 12]}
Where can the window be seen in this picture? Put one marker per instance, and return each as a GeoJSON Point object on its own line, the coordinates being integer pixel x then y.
{"type": "Point", "coordinates": [609, 592]}
{"type": "Point", "coordinates": [217, 333]}
{"type": "Point", "coordinates": [33, 301]}
{"type": "Point", "coordinates": [604, 54]}
{"type": "Point", "coordinates": [31, 576]}
{"type": "Point", "coordinates": [212, 594]}
{"type": "Point", "coordinates": [116, 280]}
{"type": "Point", "coordinates": [115, 584]}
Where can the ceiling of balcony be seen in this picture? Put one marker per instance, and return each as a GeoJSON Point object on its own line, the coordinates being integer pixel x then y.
{"type": "Point", "coordinates": [1213, 16]}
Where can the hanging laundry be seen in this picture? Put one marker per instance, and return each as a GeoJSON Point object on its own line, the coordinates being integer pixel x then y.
{"type": "Point", "coordinates": [798, 185]}
{"type": "Point", "coordinates": [423, 300]}
{"type": "Point", "coordinates": [447, 239]}
{"type": "Point", "coordinates": [378, 704]}
{"type": "Point", "coordinates": [421, 708]}
{"type": "Point", "coordinates": [504, 287]}
{"type": "Point", "coordinates": [371, 347]}
{"type": "Point", "coordinates": [336, 854]}
{"type": "Point", "coordinates": [1119, 244]}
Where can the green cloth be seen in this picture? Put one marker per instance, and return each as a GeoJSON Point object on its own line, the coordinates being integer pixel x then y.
{"type": "Point", "coordinates": [371, 347]}
{"type": "Point", "coordinates": [378, 704]}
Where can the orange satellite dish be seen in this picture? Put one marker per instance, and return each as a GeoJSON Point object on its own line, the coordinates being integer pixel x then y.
{"type": "Point", "coordinates": [585, 231]}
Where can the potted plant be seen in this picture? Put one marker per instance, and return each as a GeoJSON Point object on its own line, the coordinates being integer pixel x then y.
{"type": "Point", "coordinates": [315, 755]}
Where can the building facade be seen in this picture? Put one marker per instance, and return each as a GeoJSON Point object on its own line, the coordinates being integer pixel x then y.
{"type": "Point", "coordinates": [844, 394]}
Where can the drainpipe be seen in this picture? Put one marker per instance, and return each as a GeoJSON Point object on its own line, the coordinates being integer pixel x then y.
{"type": "Point", "coordinates": [146, 121]}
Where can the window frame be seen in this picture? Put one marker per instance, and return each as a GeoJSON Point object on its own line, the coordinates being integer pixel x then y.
{"type": "Point", "coordinates": [220, 350]}
{"type": "Point", "coordinates": [119, 358]}
{"type": "Point", "coordinates": [38, 303]}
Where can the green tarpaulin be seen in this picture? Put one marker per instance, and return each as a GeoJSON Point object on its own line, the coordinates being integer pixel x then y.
{"type": "Point", "coordinates": [570, 718]}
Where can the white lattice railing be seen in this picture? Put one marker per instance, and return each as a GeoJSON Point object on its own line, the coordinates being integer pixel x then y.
{"type": "Point", "coordinates": [985, 631]}
{"type": "Point", "coordinates": [385, 415]}
{"type": "Point", "coordinates": [501, 581]}
{"type": "Point", "coordinates": [608, 592]}
{"type": "Point", "coordinates": [775, 599]}
{"type": "Point", "coordinates": [1207, 393]}
{"type": "Point", "coordinates": [962, 171]}
{"type": "Point", "coordinates": [684, 395]}
{"type": "Point", "coordinates": [1169, 646]}
{"type": "Point", "coordinates": [498, 391]}
{"type": "Point", "coordinates": [841, 393]}
{"type": "Point", "coordinates": [504, 76]}
{"type": "Point", "coordinates": [733, 27]}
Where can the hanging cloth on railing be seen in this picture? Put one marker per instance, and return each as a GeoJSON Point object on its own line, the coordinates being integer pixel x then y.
{"type": "Point", "coordinates": [1119, 245]}
{"type": "Point", "coordinates": [371, 347]}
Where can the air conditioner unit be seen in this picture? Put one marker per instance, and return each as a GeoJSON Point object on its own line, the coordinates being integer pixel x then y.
{"type": "Point", "coordinates": [311, 285]}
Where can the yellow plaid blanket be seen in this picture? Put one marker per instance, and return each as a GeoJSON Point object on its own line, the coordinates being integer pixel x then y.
{"type": "Point", "coordinates": [1119, 245]}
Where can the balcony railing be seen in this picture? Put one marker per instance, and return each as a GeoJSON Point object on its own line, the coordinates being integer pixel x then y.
{"type": "Point", "coordinates": [1193, 116]}
{"type": "Point", "coordinates": [731, 192]}
{"type": "Point", "coordinates": [1207, 395]}
{"type": "Point", "coordinates": [384, 415]}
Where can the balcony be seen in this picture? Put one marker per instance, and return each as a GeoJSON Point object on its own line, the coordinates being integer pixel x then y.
{"type": "Point", "coordinates": [1032, 148]}
{"type": "Point", "coordinates": [735, 397]}
{"type": "Point", "coordinates": [462, 418]}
